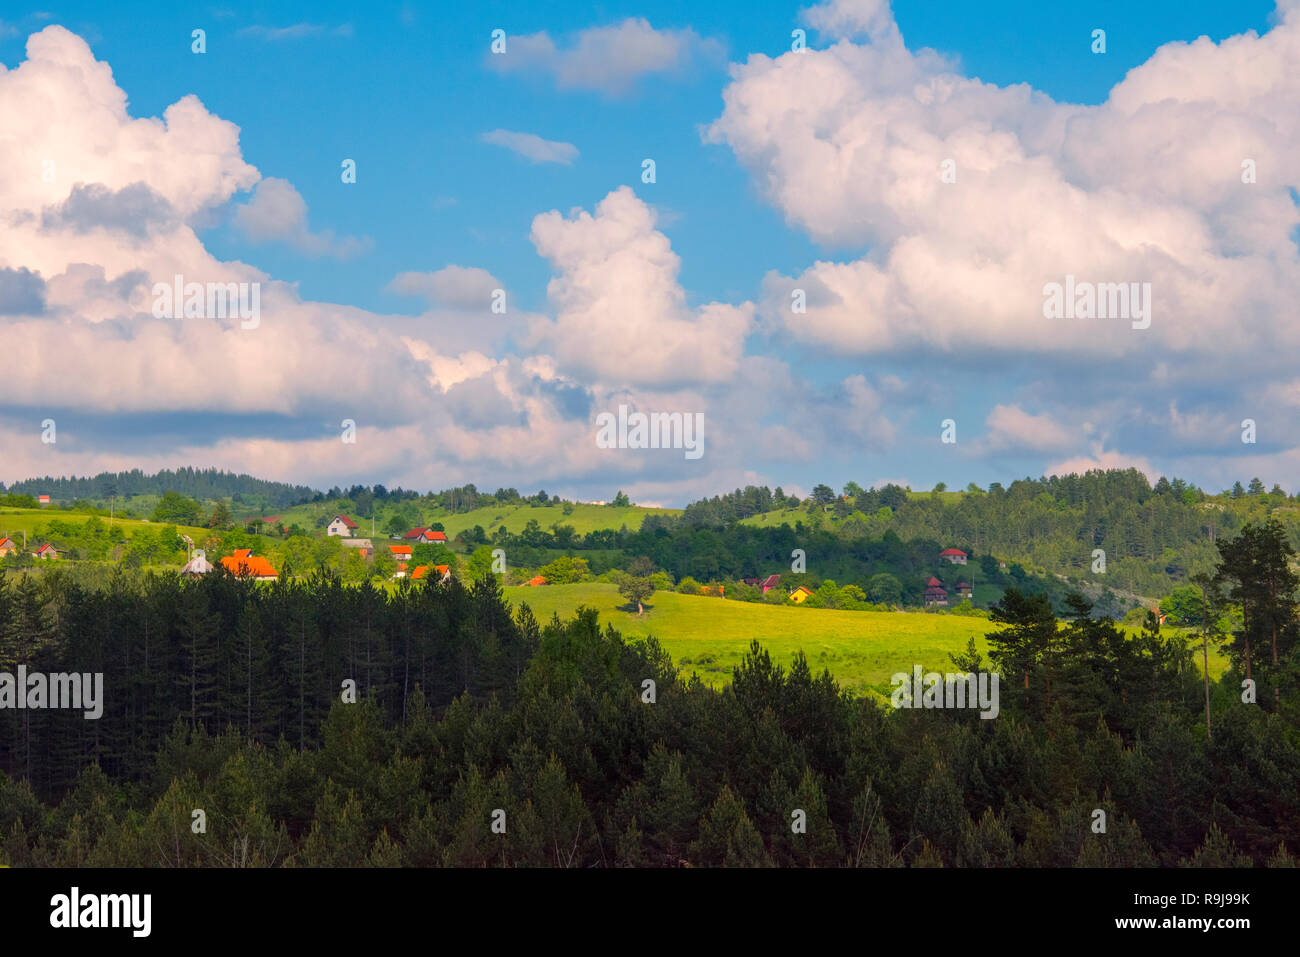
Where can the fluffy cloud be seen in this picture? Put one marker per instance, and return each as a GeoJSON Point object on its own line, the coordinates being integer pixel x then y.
{"type": "Point", "coordinates": [533, 147]}
{"type": "Point", "coordinates": [849, 143]}
{"type": "Point", "coordinates": [1103, 459]}
{"type": "Point", "coordinates": [621, 315]}
{"type": "Point", "coordinates": [465, 286]}
{"type": "Point", "coordinates": [437, 398]}
{"type": "Point", "coordinates": [609, 59]}
{"type": "Point", "coordinates": [1011, 427]}
{"type": "Point", "coordinates": [277, 211]}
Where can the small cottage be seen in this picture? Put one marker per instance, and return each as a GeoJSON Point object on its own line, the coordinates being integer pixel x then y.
{"type": "Point", "coordinates": [341, 526]}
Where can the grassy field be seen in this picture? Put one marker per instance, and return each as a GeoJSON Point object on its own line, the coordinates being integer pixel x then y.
{"type": "Point", "coordinates": [583, 518]}
{"type": "Point", "coordinates": [708, 636]}
{"type": "Point", "coordinates": [15, 521]}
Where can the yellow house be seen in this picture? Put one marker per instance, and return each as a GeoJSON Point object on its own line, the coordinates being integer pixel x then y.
{"type": "Point", "coordinates": [800, 595]}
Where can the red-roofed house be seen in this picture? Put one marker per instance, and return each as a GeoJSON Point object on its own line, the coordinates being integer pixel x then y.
{"type": "Point", "coordinates": [770, 582]}
{"type": "Point", "coordinates": [422, 571]}
{"type": "Point", "coordinates": [43, 499]}
{"type": "Point", "coordinates": [424, 535]}
{"type": "Point", "coordinates": [954, 555]}
{"type": "Point", "coordinates": [401, 552]}
{"type": "Point", "coordinates": [537, 580]}
{"type": "Point", "coordinates": [244, 562]}
{"type": "Point", "coordinates": [935, 593]}
{"type": "Point", "coordinates": [48, 551]}
{"type": "Point", "coordinates": [7, 546]}
{"type": "Point", "coordinates": [340, 525]}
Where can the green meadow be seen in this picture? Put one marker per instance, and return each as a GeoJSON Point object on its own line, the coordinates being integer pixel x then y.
{"type": "Point", "coordinates": [514, 518]}
{"type": "Point", "coordinates": [15, 521]}
{"type": "Point", "coordinates": [708, 636]}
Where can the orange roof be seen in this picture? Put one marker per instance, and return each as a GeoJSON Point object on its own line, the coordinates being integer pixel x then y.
{"type": "Point", "coordinates": [244, 562]}
{"type": "Point", "coordinates": [7, 542]}
{"type": "Point", "coordinates": [422, 570]}
{"type": "Point", "coordinates": [403, 550]}
{"type": "Point", "coordinates": [802, 588]}
{"type": "Point", "coordinates": [539, 580]}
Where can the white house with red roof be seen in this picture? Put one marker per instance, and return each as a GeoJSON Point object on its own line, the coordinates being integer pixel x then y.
{"type": "Point", "coordinates": [424, 536]}
{"type": "Point", "coordinates": [954, 555]}
{"type": "Point", "coordinates": [48, 551]}
{"type": "Point", "coordinates": [341, 525]}
{"type": "Point", "coordinates": [43, 499]}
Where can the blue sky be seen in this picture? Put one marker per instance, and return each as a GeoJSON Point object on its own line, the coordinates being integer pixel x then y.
{"type": "Point", "coordinates": [408, 92]}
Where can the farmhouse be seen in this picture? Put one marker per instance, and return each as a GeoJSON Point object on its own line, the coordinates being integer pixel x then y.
{"type": "Point", "coordinates": [800, 594]}
{"type": "Point", "coordinates": [422, 571]}
{"type": "Point", "coordinates": [43, 499]}
{"type": "Point", "coordinates": [954, 555]}
{"type": "Point", "coordinates": [244, 562]}
{"type": "Point", "coordinates": [935, 593]}
{"type": "Point", "coordinates": [401, 553]}
{"type": "Point", "coordinates": [770, 582]}
{"type": "Point", "coordinates": [340, 525]}
{"type": "Point", "coordinates": [48, 551]}
{"type": "Point", "coordinates": [7, 546]}
{"type": "Point", "coordinates": [424, 535]}
{"type": "Point", "coordinates": [964, 591]}
{"type": "Point", "coordinates": [363, 545]}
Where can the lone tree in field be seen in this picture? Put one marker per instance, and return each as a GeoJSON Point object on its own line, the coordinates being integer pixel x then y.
{"type": "Point", "coordinates": [636, 586]}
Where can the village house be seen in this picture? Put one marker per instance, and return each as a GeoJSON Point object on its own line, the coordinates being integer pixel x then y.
{"type": "Point", "coordinates": [935, 593]}
{"type": "Point", "coordinates": [47, 551]}
{"type": "Point", "coordinates": [43, 499]}
{"type": "Point", "coordinates": [964, 591]}
{"type": "Point", "coordinates": [536, 580]}
{"type": "Point", "coordinates": [401, 553]}
{"type": "Point", "coordinates": [801, 594]}
{"type": "Point", "coordinates": [341, 526]}
{"type": "Point", "coordinates": [7, 546]}
{"type": "Point", "coordinates": [363, 545]}
{"type": "Point", "coordinates": [424, 536]}
{"type": "Point", "coordinates": [770, 582]}
{"type": "Point", "coordinates": [422, 571]}
{"type": "Point", "coordinates": [244, 562]}
{"type": "Point", "coordinates": [954, 555]}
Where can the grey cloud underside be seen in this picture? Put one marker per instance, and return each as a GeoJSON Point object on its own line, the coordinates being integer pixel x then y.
{"type": "Point", "coordinates": [135, 210]}
{"type": "Point", "coordinates": [22, 293]}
